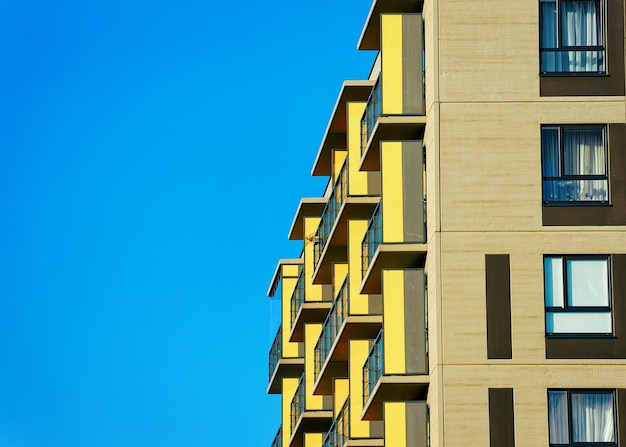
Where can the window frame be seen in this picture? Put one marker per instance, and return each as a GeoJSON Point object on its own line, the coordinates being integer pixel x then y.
{"type": "Point", "coordinates": [560, 48]}
{"type": "Point", "coordinates": [569, 392]}
{"type": "Point", "coordinates": [567, 308]}
{"type": "Point", "coordinates": [561, 128]}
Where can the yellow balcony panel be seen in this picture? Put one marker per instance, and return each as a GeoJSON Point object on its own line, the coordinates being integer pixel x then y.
{"type": "Point", "coordinates": [370, 35]}
{"type": "Point", "coordinates": [392, 256]}
{"type": "Point", "coordinates": [310, 421]}
{"type": "Point", "coordinates": [396, 128]}
{"type": "Point", "coordinates": [335, 247]}
{"type": "Point", "coordinates": [335, 135]}
{"type": "Point", "coordinates": [354, 327]}
{"type": "Point", "coordinates": [285, 367]}
{"type": "Point", "coordinates": [308, 207]}
{"type": "Point", "coordinates": [310, 312]}
{"type": "Point", "coordinates": [394, 388]}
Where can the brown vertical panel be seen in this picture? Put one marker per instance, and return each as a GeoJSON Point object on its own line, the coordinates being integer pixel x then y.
{"type": "Point", "coordinates": [416, 424]}
{"type": "Point", "coordinates": [615, 214]}
{"type": "Point", "coordinates": [604, 347]}
{"type": "Point", "coordinates": [413, 191]}
{"type": "Point", "coordinates": [498, 279]}
{"type": "Point", "coordinates": [412, 47]}
{"type": "Point", "coordinates": [414, 322]}
{"type": "Point", "coordinates": [592, 85]}
{"type": "Point", "coordinates": [621, 417]}
{"type": "Point", "coordinates": [501, 418]}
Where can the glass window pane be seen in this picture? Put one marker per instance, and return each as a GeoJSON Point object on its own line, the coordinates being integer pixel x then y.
{"type": "Point", "coordinates": [553, 274]}
{"type": "Point", "coordinates": [580, 23]}
{"type": "Point", "coordinates": [550, 151]}
{"type": "Point", "coordinates": [557, 417]}
{"type": "Point", "coordinates": [583, 152]}
{"type": "Point", "coordinates": [548, 24]}
{"type": "Point", "coordinates": [579, 323]}
{"type": "Point", "coordinates": [587, 282]}
{"type": "Point", "coordinates": [593, 417]}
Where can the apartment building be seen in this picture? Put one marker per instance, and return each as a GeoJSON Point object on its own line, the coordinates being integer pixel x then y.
{"type": "Point", "coordinates": [462, 280]}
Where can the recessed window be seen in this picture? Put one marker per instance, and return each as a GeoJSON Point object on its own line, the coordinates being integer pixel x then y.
{"type": "Point", "coordinates": [580, 417]}
{"type": "Point", "coordinates": [574, 164]}
{"type": "Point", "coordinates": [572, 36]}
{"type": "Point", "coordinates": [577, 295]}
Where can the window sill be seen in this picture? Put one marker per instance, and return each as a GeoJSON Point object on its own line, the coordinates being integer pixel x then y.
{"type": "Point", "coordinates": [577, 203]}
{"type": "Point", "coordinates": [574, 74]}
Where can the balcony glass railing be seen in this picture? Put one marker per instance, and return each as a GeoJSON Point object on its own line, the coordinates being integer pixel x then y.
{"type": "Point", "coordinates": [339, 432]}
{"type": "Point", "coordinates": [331, 210]}
{"type": "Point", "coordinates": [297, 297]}
{"type": "Point", "coordinates": [278, 439]}
{"type": "Point", "coordinates": [373, 110]}
{"type": "Point", "coordinates": [374, 367]}
{"type": "Point", "coordinates": [276, 351]}
{"type": "Point", "coordinates": [297, 404]}
{"type": "Point", "coordinates": [330, 328]}
{"type": "Point", "coordinates": [373, 238]}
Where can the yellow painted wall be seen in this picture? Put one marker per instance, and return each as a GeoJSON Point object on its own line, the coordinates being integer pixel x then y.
{"type": "Point", "coordinates": [357, 180]}
{"type": "Point", "coordinates": [338, 159]}
{"type": "Point", "coordinates": [289, 280]}
{"type": "Point", "coordinates": [392, 192]}
{"type": "Point", "coordinates": [340, 271]}
{"type": "Point", "coordinates": [312, 292]}
{"type": "Point", "coordinates": [358, 351]}
{"type": "Point", "coordinates": [393, 321]}
{"type": "Point", "coordinates": [391, 53]}
{"type": "Point", "coordinates": [313, 439]}
{"type": "Point", "coordinates": [341, 389]}
{"type": "Point", "coordinates": [311, 334]}
{"type": "Point", "coordinates": [395, 424]}
{"type": "Point", "coordinates": [359, 304]}
{"type": "Point", "coordinates": [289, 390]}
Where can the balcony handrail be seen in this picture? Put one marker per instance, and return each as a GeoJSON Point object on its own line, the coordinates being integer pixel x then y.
{"type": "Point", "coordinates": [330, 328]}
{"type": "Point", "coordinates": [297, 297]}
{"type": "Point", "coordinates": [331, 210]}
{"type": "Point", "coordinates": [373, 238]}
{"type": "Point", "coordinates": [373, 110]}
{"type": "Point", "coordinates": [339, 432]}
{"type": "Point", "coordinates": [276, 351]}
{"type": "Point", "coordinates": [278, 439]}
{"type": "Point", "coordinates": [373, 368]}
{"type": "Point", "coordinates": [297, 403]}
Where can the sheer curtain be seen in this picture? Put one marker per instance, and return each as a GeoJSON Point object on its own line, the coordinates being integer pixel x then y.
{"type": "Point", "coordinates": [557, 417]}
{"type": "Point", "coordinates": [550, 163]}
{"type": "Point", "coordinates": [592, 417]}
{"type": "Point", "coordinates": [584, 155]}
{"type": "Point", "coordinates": [580, 27]}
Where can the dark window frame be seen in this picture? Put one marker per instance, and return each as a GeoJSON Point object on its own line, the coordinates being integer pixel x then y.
{"type": "Point", "coordinates": [579, 309]}
{"type": "Point", "coordinates": [560, 48]}
{"type": "Point", "coordinates": [571, 391]}
{"type": "Point", "coordinates": [561, 128]}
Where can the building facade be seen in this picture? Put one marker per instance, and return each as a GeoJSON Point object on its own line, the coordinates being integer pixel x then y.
{"type": "Point", "coordinates": [463, 277]}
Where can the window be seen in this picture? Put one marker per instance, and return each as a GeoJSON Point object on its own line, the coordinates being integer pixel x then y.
{"type": "Point", "coordinates": [574, 164]}
{"type": "Point", "coordinates": [581, 416]}
{"type": "Point", "coordinates": [572, 36]}
{"type": "Point", "coordinates": [577, 295]}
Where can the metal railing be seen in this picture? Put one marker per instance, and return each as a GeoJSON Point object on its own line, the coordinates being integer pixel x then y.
{"type": "Point", "coordinates": [373, 368]}
{"type": "Point", "coordinates": [276, 351]}
{"type": "Point", "coordinates": [373, 110]}
{"type": "Point", "coordinates": [278, 439]}
{"type": "Point", "coordinates": [297, 297]}
{"type": "Point", "coordinates": [339, 432]}
{"type": "Point", "coordinates": [373, 238]}
{"type": "Point", "coordinates": [297, 404]}
{"type": "Point", "coordinates": [331, 210]}
{"type": "Point", "coordinates": [335, 318]}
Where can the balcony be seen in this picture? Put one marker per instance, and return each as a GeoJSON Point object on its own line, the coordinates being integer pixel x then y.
{"type": "Point", "coordinates": [380, 386]}
{"type": "Point", "coordinates": [302, 311]}
{"type": "Point", "coordinates": [331, 350]}
{"type": "Point", "coordinates": [370, 35]}
{"type": "Point", "coordinates": [280, 367]}
{"type": "Point", "coordinates": [278, 439]}
{"type": "Point", "coordinates": [378, 254]}
{"type": "Point", "coordinates": [303, 420]}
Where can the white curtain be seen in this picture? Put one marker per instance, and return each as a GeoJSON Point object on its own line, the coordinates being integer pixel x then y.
{"type": "Point", "coordinates": [557, 417]}
{"type": "Point", "coordinates": [584, 155]}
{"type": "Point", "coordinates": [580, 27]}
{"type": "Point", "coordinates": [550, 163]}
{"type": "Point", "coordinates": [592, 417]}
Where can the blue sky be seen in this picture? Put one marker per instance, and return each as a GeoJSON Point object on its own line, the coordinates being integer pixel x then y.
{"type": "Point", "coordinates": [152, 155]}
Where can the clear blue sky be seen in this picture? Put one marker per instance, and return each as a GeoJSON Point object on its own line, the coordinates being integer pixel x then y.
{"type": "Point", "coordinates": [152, 155]}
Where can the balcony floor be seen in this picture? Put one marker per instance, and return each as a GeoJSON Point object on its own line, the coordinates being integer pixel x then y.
{"type": "Point", "coordinates": [311, 421]}
{"type": "Point", "coordinates": [392, 256]}
{"type": "Point", "coordinates": [310, 312]}
{"type": "Point", "coordinates": [286, 367]}
{"type": "Point", "coordinates": [390, 388]}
